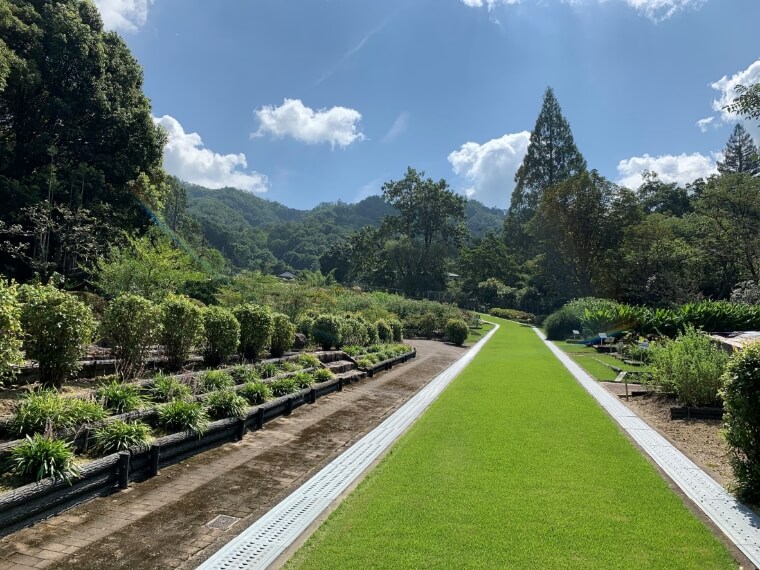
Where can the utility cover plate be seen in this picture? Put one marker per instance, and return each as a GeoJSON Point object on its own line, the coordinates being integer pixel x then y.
{"type": "Point", "coordinates": [222, 522]}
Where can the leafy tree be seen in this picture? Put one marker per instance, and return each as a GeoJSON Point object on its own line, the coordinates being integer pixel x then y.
{"type": "Point", "coordinates": [747, 102]}
{"type": "Point", "coordinates": [658, 197]}
{"type": "Point", "coordinates": [740, 154]}
{"type": "Point", "coordinates": [552, 157]}
{"type": "Point", "coordinates": [487, 258]}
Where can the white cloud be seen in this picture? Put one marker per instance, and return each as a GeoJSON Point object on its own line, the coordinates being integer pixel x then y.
{"type": "Point", "coordinates": [489, 168]}
{"type": "Point", "coordinates": [727, 88]}
{"type": "Point", "coordinates": [337, 125]}
{"type": "Point", "coordinates": [490, 3]}
{"type": "Point", "coordinates": [187, 158]}
{"type": "Point", "coordinates": [655, 10]}
{"type": "Point", "coordinates": [705, 123]}
{"type": "Point", "coordinates": [682, 168]}
{"type": "Point", "coordinates": [123, 15]}
{"type": "Point", "coordinates": [397, 128]}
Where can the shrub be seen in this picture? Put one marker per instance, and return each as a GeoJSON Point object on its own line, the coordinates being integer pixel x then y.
{"type": "Point", "coordinates": [46, 411]}
{"type": "Point", "coordinates": [283, 335]}
{"type": "Point", "coordinates": [322, 375]}
{"type": "Point", "coordinates": [168, 388]}
{"type": "Point", "coordinates": [120, 397]}
{"type": "Point", "coordinates": [10, 329]}
{"type": "Point", "coordinates": [353, 332]}
{"type": "Point", "coordinates": [242, 374]}
{"type": "Point", "coordinates": [226, 404]}
{"type": "Point", "coordinates": [288, 366]}
{"type": "Point", "coordinates": [222, 333]}
{"type": "Point", "coordinates": [428, 324]}
{"type": "Point", "coordinates": [691, 366]}
{"type": "Point", "coordinates": [132, 325]}
{"type": "Point", "coordinates": [741, 398]}
{"type": "Point", "coordinates": [326, 331]}
{"type": "Point", "coordinates": [212, 380]}
{"type": "Point", "coordinates": [267, 370]}
{"type": "Point", "coordinates": [457, 331]}
{"type": "Point", "coordinates": [372, 336]}
{"type": "Point", "coordinates": [41, 456]}
{"type": "Point", "coordinates": [398, 330]}
{"type": "Point", "coordinates": [181, 415]}
{"type": "Point", "coordinates": [182, 322]}
{"type": "Point", "coordinates": [304, 324]}
{"type": "Point", "coordinates": [308, 361]}
{"type": "Point", "coordinates": [119, 435]}
{"type": "Point", "coordinates": [514, 315]}
{"type": "Point", "coordinates": [384, 331]}
{"type": "Point", "coordinates": [561, 324]}
{"type": "Point", "coordinates": [302, 379]}
{"type": "Point", "coordinates": [57, 328]}
{"type": "Point", "coordinates": [282, 387]}
{"type": "Point", "coordinates": [365, 362]}
{"type": "Point", "coordinates": [255, 329]}
{"type": "Point", "coordinates": [256, 392]}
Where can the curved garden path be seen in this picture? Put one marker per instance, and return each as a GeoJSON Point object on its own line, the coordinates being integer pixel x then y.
{"type": "Point", "coordinates": [161, 523]}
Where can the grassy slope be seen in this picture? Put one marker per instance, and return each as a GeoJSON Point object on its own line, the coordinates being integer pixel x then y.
{"type": "Point", "coordinates": [514, 466]}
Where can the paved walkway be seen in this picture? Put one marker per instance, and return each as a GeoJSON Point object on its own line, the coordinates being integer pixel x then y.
{"type": "Point", "coordinates": [737, 522]}
{"type": "Point", "coordinates": [161, 523]}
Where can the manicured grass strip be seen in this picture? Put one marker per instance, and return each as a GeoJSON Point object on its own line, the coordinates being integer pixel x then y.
{"type": "Point", "coordinates": [476, 335]}
{"type": "Point", "coordinates": [514, 466]}
{"type": "Point", "coordinates": [585, 356]}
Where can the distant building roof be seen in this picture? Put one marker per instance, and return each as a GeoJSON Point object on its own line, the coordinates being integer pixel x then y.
{"type": "Point", "coordinates": [287, 275]}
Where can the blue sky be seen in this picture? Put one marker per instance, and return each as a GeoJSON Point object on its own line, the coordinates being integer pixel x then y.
{"type": "Point", "coordinates": [319, 100]}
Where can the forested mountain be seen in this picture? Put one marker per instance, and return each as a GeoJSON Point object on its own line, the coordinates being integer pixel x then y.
{"type": "Point", "coordinates": [252, 232]}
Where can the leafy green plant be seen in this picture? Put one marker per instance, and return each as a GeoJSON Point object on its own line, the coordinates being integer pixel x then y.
{"type": "Point", "coordinates": [384, 331]}
{"type": "Point", "coordinates": [741, 397]}
{"type": "Point", "coordinates": [353, 331]}
{"type": "Point", "coordinates": [57, 328]}
{"type": "Point", "coordinates": [167, 388]}
{"type": "Point", "coordinates": [222, 334]}
{"type": "Point", "coordinates": [457, 331]}
{"type": "Point", "coordinates": [182, 330]}
{"type": "Point", "coordinates": [322, 375]}
{"type": "Point", "coordinates": [47, 411]}
{"type": "Point", "coordinates": [514, 315]}
{"type": "Point", "coordinates": [283, 335]}
{"type": "Point", "coordinates": [212, 380]}
{"type": "Point", "coordinates": [181, 415]}
{"type": "Point", "coordinates": [353, 350]}
{"type": "Point", "coordinates": [256, 392]}
{"type": "Point", "coordinates": [256, 325]}
{"type": "Point", "coordinates": [304, 325]}
{"type": "Point", "coordinates": [283, 387]}
{"type": "Point", "coordinates": [308, 361]}
{"type": "Point", "coordinates": [302, 379]}
{"type": "Point", "coordinates": [365, 362]}
{"type": "Point", "coordinates": [561, 324]}
{"type": "Point", "coordinates": [41, 456]}
{"type": "Point", "coordinates": [119, 435]}
{"type": "Point", "coordinates": [120, 397]}
{"type": "Point", "coordinates": [242, 374]}
{"type": "Point", "coordinates": [10, 329]}
{"type": "Point", "coordinates": [691, 366]}
{"type": "Point", "coordinates": [428, 325]}
{"type": "Point", "coordinates": [132, 324]}
{"type": "Point", "coordinates": [326, 331]}
{"type": "Point", "coordinates": [267, 369]}
{"type": "Point", "coordinates": [398, 330]}
{"type": "Point", "coordinates": [226, 404]}
{"type": "Point", "coordinates": [288, 366]}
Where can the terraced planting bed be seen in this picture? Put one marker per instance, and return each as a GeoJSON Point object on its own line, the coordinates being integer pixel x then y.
{"type": "Point", "coordinates": [514, 466]}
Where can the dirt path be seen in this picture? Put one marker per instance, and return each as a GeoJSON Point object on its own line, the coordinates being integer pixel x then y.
{"type": "Point", "coordinates": [161, 523]}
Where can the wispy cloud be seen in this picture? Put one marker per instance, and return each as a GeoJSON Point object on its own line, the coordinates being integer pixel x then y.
{"type": "Point", "coordinates": [397, 128]}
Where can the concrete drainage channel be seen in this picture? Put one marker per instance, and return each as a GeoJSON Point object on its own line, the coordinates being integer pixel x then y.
{"type": "Point", "coordinates": [736, 521]}
{"type": "Point", "coordinates": [261, 543]}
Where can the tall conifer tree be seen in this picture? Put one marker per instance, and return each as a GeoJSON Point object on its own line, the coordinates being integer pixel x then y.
{"type": "Point", "coordinates": [551, 158]}
{"type": "Point", "coordinates": [741, 154]}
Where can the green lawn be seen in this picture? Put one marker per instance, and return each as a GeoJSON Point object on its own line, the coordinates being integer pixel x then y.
{"type": "Point", "coordinates": [476, 335]}
{"type": "Point", "coordinates": [514, 466]}
{"type": "Point", "coordinates": [588, 359]}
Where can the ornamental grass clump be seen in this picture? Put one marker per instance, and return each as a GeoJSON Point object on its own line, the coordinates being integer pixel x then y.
{"type": "Point", "coordinates": [181, 415]}
{"type": "Point", "coordinates": [212, 380]}
{"type": "Point", "coordinates": [120, 397]}
{"type": "Point", "coordinates": [47, 411]}
{"type": "Point", "coordinates": [267, 370]}
{"type": "Point", "coordinates": [119, 435]}
{"type": "Point", "coordinates": [308, 361]}
{"type": "Point", "coordinates": [42, 456]}
{"type": "Point", "coordinates": [132, 325]}
{"type": "Point", "coordinates": [256, 392]}
{"type": "Point", "coordinates": [182, 322]}
{"type": "Point", "coordinates": [741, 398]}
{"type": "Point", "coordinates": [283, 335]}
{"type": "Point", "coordinates": [283, 387]}
{"type": "Point", "coordinates": [221, 333]}
{"type": "Point", "coordinates": [691, 366]}
{"type": "Point", "coordinates": [322, 375]}
{"type": "Point", "coordinates": [168, 388]}
{"type": "Point", "coordinates": [302, 379]}
{"type": "Point", "coordinates": [57, 329]}
{"type": "Point", "coordinates": [226, 404]}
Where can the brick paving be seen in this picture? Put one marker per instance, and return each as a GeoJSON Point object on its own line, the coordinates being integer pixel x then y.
{"type": "Point", "coordinates": [161, 523]}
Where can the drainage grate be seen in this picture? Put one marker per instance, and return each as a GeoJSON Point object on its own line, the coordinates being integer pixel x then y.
{"type": "Point", "coordinates": [222, 522]}
{"type": "Point", "coordinates": [736, 521]}
{"type": "Point", "coordinates": [261, 543]}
